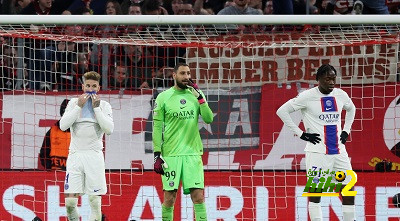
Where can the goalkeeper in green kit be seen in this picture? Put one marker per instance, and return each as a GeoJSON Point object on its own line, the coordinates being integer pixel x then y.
{"type": "Point", "coordinates": [177, 143]}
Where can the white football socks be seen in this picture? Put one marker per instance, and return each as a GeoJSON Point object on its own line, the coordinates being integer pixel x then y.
{"type": "Point", "coordinates": [315, 211]}
{"type": "Point", "coordinates": [95, 208]}
{"type": "Point", "coordinates": [349, 212]}
{"type": "Point", "coordinates": [71, 204]}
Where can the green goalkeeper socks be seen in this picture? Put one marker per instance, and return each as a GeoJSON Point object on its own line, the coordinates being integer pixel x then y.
{"type": "Point", "coordinates": [200, 212]}
{"type": "Point", "coordinates": [167, 213]}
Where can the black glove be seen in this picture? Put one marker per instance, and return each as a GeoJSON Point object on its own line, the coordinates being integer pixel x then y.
{"type": "Point", "coordinates": [313, 138]}
{"type": "Point", "coordinates": [195, 91]}
{"type": "Point", "coordinates": [158, 163]}
{"type": "Point", "coordinates": [343, 137]}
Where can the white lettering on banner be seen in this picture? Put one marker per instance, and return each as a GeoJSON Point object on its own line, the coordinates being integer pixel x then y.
{"type": "Point", "coordinates": [391, 124]}
{"type": "Point", "coordinates": [239, 118]}
{"type": "Point", "coordinates": [13, 207]}
{"type": "Point", "coordinates": [146, 194]}
{"type": "Point", "coordinates": [234, 131]}
{"type": "Point", "coordinates": [262, 203]}
{"type": "Point", "coordinates": [287, 151]}
{"type": "Point", "coordinates": [55, 211]}
{"type": "Point", "coordinates": [207, 127]}
{"type": "Point", "coordinates": [383, 212]}
{"type": "Point", "coordinates": [236, 199]}
{"type": "Point", "coordinates": [359, 64]}
{"type": "Point", "coordinates": [122, 147]}
{"type": "Point", "coordinates": [329, 202]}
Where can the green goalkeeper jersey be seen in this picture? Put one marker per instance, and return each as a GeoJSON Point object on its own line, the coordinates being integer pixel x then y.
{"type": "Point", "coordinates": [175, 129]}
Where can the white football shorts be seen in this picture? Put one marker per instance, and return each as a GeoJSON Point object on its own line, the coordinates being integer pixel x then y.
{"type": "Point", "coordinates": [86, 173]}
{"type": "Point", "coordinates": [321, 163]}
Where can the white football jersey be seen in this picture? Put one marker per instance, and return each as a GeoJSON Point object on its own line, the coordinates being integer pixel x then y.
{"type": "Point", "coordinates": [87, 124]}
{"type": "Point", "coordinates": [322, 115]}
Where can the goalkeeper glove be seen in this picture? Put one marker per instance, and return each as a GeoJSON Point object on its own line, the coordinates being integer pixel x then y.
{"type": "Point", "coordinates": [343, 137]}
{"type": "Point", "coordinates": [159, 163]}
{"type": "Point", "coordinates": [195, 91]}
{"type": "Point", "coordinates": [313, 138]}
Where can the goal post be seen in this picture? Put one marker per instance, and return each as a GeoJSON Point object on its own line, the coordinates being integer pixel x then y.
{"type": "Point", "coordinates": [247, 66]}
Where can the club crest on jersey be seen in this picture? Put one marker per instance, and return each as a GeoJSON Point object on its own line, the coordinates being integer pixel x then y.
{"type": "Point", "coordinates": [171, 183]}
{"type": "Point", "coordinates": [328, 104]}
{"type": "Point", "coordinates": [183, 101]}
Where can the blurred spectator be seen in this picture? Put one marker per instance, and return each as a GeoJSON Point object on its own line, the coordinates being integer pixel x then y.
{"type": "Point", "coordinates": [14, 6]}
{"type": "Point", "coordinates": [200, 8]}
{"type": "Point", "coordinates": [357, 8]}
{"type": "Point", "coordinates": [45, 7]}
{"type": "Point", "coordinates": [346, 6]}
{"type": "Point", "coordinates": [125, 4]}
{"type": "Point", "coordinates": [96, 7]}
{"type": "Point", "coordinates": [54, 151]}
{"type": "Point", "coordinates": [153, 7]}
{"type": "Point", "coordinates": [299, 7]}
{"type": "Point", "coordinates": [375, 7]}
{"type": "Point", "coordinates": [138, 63]}
{"type": "Point", "coordinates": [113, 8]}
{"type": "Point", "coordinates": [256, 4]}
{"type": "Point", "coordinates": [283, 7]}
{"type": "Point", "coordinates": [186, 8]}
{"type": "Point", "coordinates": [8, 65]}
{"type": "Point", "coordinates": [334, 6]}
{"type": "Point", "coordinates": [229, 3]}
{"type": "Point", "coordinates": [65, 57]}
{"type": "Point", "coordinates": [268, 8]}
{"type": "Point", "coordinates": [176, 4]}
{"type": "Point", "coordinates": [119, 78]}
{"type": "Point", "coordinates": [134, 9]}
{"type": "Point", "coordinates": [241, 7]}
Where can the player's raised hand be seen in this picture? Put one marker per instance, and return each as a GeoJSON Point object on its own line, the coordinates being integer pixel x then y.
{"type": "Point", "coordinates": [312, 138]}
{"type": "Point", "coordinates": [195, 91]}
{"type": "Point", "coordinates": [343, 137]}
{"type": "Point", "coordinates": [95, 100]}
{"type": "Point", "coordinates": [82, 99]}
{"type": "Point", "coordinates": [159, 163]}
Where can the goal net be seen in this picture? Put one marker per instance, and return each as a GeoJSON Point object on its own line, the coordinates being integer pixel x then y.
{"type": "Point", "coordinates": [247, 68]}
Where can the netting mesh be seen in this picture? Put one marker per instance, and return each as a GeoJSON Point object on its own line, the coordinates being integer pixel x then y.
{"type": "Point", "coordinates": [255, 166]}
{"type": "Point", "coordinates": [210, 35]}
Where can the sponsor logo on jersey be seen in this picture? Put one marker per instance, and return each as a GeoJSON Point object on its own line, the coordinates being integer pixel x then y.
{"type": "Point", "coordinates": [184, 115]}
{"type": "Point", "coordinates": [329, 118]}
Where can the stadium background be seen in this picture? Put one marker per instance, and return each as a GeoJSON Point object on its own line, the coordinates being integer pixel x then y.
{"type": "Point", "coordinates": [254, 165]}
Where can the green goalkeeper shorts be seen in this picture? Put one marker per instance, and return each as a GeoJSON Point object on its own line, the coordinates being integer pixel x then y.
{"type": "Point", "coordinates": [188, 169]}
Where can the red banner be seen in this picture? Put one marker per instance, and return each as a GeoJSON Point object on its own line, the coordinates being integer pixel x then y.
{"type": "Point", "coordinates": [246, 132]}
{"type": "Point", "coordinates": [229, 196]}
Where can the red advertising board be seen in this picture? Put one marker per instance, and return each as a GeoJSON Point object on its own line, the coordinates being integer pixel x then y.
{"type": "Point", "coordinates": [237, 195]}
{"type": "Point", "coordinates": [246, 132]}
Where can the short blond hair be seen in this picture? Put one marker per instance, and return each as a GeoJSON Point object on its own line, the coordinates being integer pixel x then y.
{"type": "Point", "coordinates": [92, 75]}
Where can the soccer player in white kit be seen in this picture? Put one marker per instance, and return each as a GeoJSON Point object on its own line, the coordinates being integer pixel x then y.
{"type": "Point", "coordinates": [88, 118]}
{"type": "Point", "coordinates": [321, 108]}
